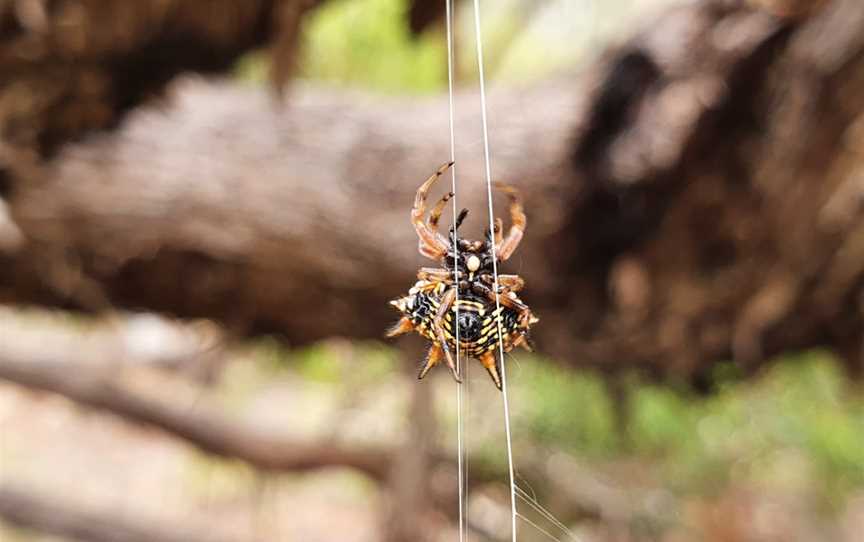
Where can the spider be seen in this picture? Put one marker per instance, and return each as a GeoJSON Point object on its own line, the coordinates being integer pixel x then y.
{"type": "Point", "coordinates": [431, 306]}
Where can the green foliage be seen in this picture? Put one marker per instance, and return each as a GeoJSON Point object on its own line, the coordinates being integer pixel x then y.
{"type": "Point", "coordinates": [368, 42]}
{"type": "Point", "coordinates": [334, 363]}
{"type": "Point", "coordinates": [797, 425]}
{"type": "Point", "coordinates": [559, 407]}
{"type": "Point", "coordinates": [252, 68]}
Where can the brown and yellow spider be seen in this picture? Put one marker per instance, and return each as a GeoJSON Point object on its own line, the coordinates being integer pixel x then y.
{"type": "Point", "coordinates": [431, 306]}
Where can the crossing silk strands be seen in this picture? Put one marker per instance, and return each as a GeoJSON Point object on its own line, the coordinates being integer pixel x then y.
{"type": "Point", "coordinates": [461, 396]}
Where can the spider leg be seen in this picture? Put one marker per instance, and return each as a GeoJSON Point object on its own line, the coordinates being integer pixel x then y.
{"type": "Point", "coordinates": [432, 359]}
{"type": "Point", "coordinates": [526, 317]}
{"type": "Point", "coordinates": [432, 244]}
{"type": "Point", "coordinates": [404, 325]}
{"type": "Point", "coordinates": [513, 283]}
{"type": "Point", "coordinates": [435, 274]}
{"type": "Point", "coordinates": [517, 226]}
{"type": "Point", "coordinates": [525, 342]}
{"type": "Point", "coordinates": [435, 215]}
{"type": "Point", "coordinates": [443, 308]}
{"type": "Point", "coordinates": [499, 225]}
{"type": "Point", "coordinates": [488, 360]}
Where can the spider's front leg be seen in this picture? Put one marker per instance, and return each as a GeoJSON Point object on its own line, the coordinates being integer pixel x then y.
{"type": "Point", "coordinates": [435, 215]}
{"type": "Point", "coordinates": [517, 223]}
{"type": "Point", "coordinates": [443, 308]}
{"type": "Point", "coordinates": [432, 244]}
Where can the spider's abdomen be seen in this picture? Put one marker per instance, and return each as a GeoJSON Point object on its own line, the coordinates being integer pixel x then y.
{"type": "Point", "coordinates": [478, 321]}
{"type": "Point", "coordinates": [469, 324]}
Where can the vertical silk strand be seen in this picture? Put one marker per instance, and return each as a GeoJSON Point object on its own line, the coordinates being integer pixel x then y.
{"type": "Point", "coordinates": [479, 45]}
{"type": "Point", "coordinates": [460, 421]}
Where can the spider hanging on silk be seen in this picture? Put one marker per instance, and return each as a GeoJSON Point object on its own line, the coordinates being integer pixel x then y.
{"type": "Point", "coordinates": [431, 306]}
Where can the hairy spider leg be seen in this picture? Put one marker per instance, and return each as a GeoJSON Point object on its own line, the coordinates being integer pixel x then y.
{"type": "Point", "coordinates": [435, 274]}
{"type": "Point", "coordinates": [435, 215]}
{"type": "Point", "coordinates": [432, 244]}
{"type": "Point", "coordinates": [517, 223]}
{"type": "Point", "coordinates": [443, 308]}
{"type": "Point", "coordinates": [524, 340]}
{"type": "Point", "coordinates": [432, 359]}
{"type": "Point", "coordinates": [526, 317]}
{"type": "Point", "coordinates": [513, 283]}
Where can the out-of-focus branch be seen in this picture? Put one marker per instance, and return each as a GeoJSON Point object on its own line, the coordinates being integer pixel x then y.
{"type": "Point", "coordinates": [23, 508]}
{"type": "Point", "coordinates": [97, 388]}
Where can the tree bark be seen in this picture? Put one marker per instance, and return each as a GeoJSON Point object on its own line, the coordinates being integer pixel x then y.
{"type": "Point", "coordinates": [690, 200]}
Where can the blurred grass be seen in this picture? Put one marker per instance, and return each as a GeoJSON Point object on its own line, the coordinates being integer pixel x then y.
{"type": "Point", "coordinates": [797, 427]}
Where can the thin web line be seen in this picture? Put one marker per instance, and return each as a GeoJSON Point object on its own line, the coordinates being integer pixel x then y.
{"type": "Point", "coordinates": [539, 528]}
{"type": "Point", "coordinates": [540, 509]}
{"type": "Point", "coordinates": [460, 422]}
{"type": "Point", "coordinates": [479, 42]}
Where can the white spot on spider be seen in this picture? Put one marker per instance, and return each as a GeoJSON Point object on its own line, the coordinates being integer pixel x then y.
{"type": "Point", "coordinates": [410, 302]}
{"type": "Point", "coordinates": [473, 263]}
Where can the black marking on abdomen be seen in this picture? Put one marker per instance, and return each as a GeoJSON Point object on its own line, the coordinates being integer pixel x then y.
{"type": "Point", "coordinates": [478, 328]}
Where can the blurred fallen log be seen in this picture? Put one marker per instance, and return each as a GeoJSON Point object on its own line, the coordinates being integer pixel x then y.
{"type": "Point", "coordinates": [48, 514]}
{"type": "Point", "coordinates": [690, 200]}
{"type": "Point", "coordinates": [99, 388]}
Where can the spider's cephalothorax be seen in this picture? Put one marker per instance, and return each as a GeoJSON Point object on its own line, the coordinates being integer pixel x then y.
{"type": "Point", "coordinates": [461, 294]}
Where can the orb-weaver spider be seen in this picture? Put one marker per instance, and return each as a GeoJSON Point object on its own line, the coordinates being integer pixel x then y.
{"type": "Point", "coordinates": [431, 306]}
